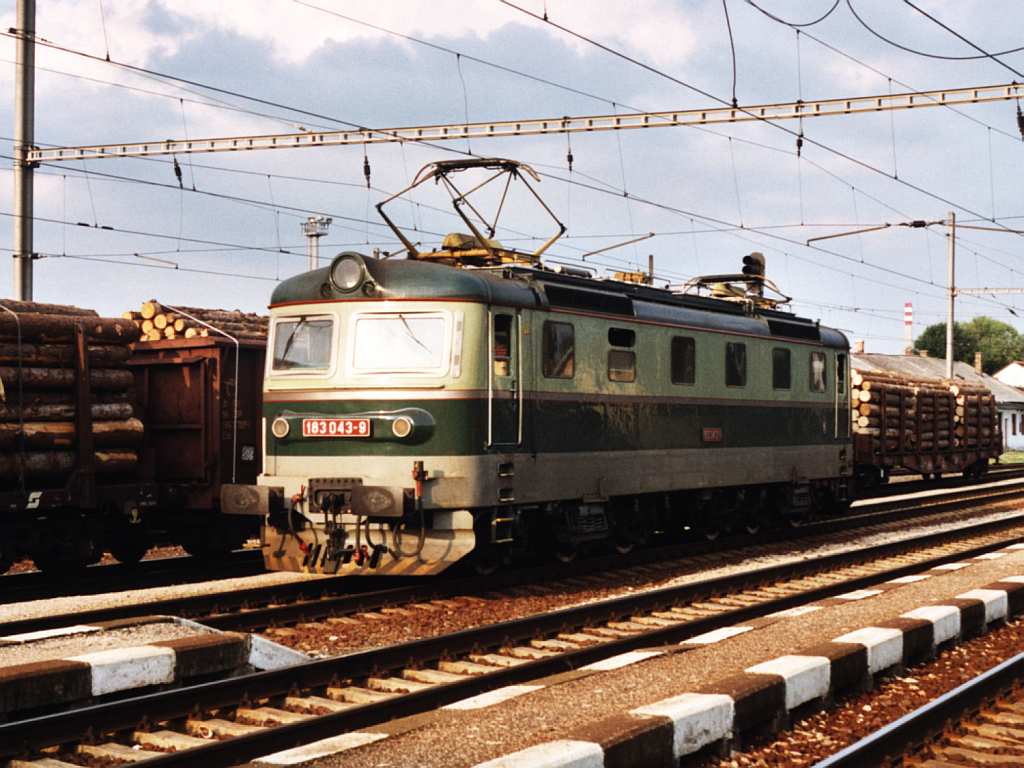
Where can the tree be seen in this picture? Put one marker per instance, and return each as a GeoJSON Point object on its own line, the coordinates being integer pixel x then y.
{"type": "Point", "coordinates": [933, 341]}
{"type": "Point", "coordinates": [998, 342]}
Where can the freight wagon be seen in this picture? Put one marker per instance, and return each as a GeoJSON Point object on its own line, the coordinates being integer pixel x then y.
{"type": "Point", "coordinates": [113, 445]}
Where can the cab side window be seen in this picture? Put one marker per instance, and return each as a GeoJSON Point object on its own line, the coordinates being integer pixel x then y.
{"type": "Point", "coordinates": [818, 376]}
{"type": "Point", "coordinates": [502, 345]}
{"type": "Point", "coordinates": [621, 358]}
{"type": "Point", "coordinates": [684, 360]}
{"type": "Point", "coordinates": [781, 368]}
{"type": "Point", "coordinates": [559, 350]}
{"type": "Point", "coordinates": [735, 364]}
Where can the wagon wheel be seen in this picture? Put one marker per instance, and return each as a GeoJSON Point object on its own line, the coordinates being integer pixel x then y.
{"type": "Point", "coordinates": [128, 546]}
{"type": "Point", "coordinates": [6, 555]}
{"type": "Point", "coordinates": [73, 546]}
{"type": "Point", "coordinates": [127, 541]}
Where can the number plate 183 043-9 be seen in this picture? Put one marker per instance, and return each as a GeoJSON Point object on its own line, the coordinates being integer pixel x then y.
{"type": "Point", "coordinates": [335, 427]}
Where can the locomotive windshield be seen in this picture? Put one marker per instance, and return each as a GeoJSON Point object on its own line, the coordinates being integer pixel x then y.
{"type": "Point", "coordinates": [403, 342]}
{"type": "Point", "coordinates": [303, 343]}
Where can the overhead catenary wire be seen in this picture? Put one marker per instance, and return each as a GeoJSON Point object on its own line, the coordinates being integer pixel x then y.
{"type": "Point", "coordinates": [811, 23]}
{"type": "Point", "coordinates": [917, 52]}
{"type": "Point", "coordinates": [841, 154]}
{"type": "Point", "coordinates": [986, 54]}
{"type": "Point", "coordinates": [283, 108]}
{"type": "Point", "coordinates": [850, 158]}
{"type": "Point", "coordinates": [696, 89]}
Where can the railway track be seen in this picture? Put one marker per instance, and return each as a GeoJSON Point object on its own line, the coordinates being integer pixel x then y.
{"type": "Point", "coordinates": [231, 721]}
{"type": "Point", "coordinates": [898, 486]}
{"type": "Point", "coordinates": [158, 572]}
{"type": "Point", "coordinates": [979, 723]}
{"type": "Point", "coordinates": [303, 601]}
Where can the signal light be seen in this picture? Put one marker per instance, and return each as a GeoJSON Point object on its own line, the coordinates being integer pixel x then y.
{"type": "Point", "coordinates": [753, 264]}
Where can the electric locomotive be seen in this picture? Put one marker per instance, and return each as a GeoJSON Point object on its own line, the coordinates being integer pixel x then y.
{"type": "Point", "coordinates": [471, 402]}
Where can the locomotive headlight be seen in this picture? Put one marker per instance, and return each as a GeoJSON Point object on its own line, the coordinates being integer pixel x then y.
{"type": "Point", "coordinates": [280, 428]}
{"type": "Point", "coordinates": [402, 426]}
{"type": "Point", "coordinates": [347, 272]}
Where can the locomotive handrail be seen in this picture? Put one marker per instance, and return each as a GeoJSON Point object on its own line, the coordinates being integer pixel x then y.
{"type": "Point", "coordinates": [238, 354]}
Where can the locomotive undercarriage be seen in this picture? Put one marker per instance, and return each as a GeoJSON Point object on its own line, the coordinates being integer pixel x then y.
{"type": "Point", "coordinates": [330, 539]}
{"type": "Point", "coordinates": [564, 529]}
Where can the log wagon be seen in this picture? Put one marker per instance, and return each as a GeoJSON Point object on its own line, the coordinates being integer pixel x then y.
{"type": "Point", "coordinates": [113, 440]}
{"type": "Point", "coordinates": [69, 433]}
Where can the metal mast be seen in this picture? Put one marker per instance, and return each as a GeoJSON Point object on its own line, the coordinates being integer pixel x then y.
{"type": "Point", "coordinates": [314, 228]}
{"type": "Point", "coordinates": [951, 295]}
{"type": "Point", "coordinates": [24, 137]}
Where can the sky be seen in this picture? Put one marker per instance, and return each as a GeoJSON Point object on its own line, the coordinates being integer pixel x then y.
{"type": "Point", "coordinates": [114, 233]}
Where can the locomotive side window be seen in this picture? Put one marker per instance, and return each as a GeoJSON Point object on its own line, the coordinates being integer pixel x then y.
{"type": "Point", "coordinates": [818, 377]}
{"type": "Point", "coordinates": [684, 360]}
{"type": "Point", "coordinates": [621, 362]}
{"type": "Point", "coordinates": [502, 345]}
{"type": "Point", "coordinates": [735, 364]}
{"type": "Point", "coordinates": [621, 365]}
{"type": "Point", "coordinates": [303, 344]}
{"type": "Point", "coordinates": [841, 373]}
{"type": "Point", "coordinates": [559, 350]}
{"type": "Point", "coordinates": [781, 368]}
{"type": "Point", "coordinates": [621, 337]}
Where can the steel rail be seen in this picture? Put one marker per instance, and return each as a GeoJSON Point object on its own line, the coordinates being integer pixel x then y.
{"type": "Point", "coordinates": [308, 600]}
{"type": "Point", "coordinates": [21, 736]}
{"type": "Point", "coordinates": [931, 719]}
{"type": "Point", "coordinates": [916, 486]}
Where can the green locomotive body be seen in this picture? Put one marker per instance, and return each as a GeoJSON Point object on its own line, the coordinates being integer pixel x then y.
{"type": "Point", "coordinates": [418, 412]}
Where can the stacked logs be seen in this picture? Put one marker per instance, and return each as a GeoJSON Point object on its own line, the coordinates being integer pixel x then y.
{"type": "Point", "coordinates": [156, 322]}
{"type": "Point", "coordinates": [38, 412]}
{"type": "Point", "coordinates": [921, 415]}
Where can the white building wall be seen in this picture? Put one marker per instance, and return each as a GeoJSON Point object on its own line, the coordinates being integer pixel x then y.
{"type": "Point", "coordinates": [1013, 375]}
{"type": "Point", "coordinates": [1012, 421]}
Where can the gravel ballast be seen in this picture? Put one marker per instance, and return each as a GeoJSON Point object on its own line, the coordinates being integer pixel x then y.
{"type": "Point", "coordinates": [378, 629]}
{"type": "Point", "coordinates": [853, 718]}
{"type": "Point", "coordinates": [464, 739]}
{"type": "Point", "coordinates": [35, 609]}
{"type": "Point", "coordinates": [88, 642]}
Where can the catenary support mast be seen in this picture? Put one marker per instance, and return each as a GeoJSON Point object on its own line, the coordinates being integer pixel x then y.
{"type": "Point", "coordinates": [24, 137]}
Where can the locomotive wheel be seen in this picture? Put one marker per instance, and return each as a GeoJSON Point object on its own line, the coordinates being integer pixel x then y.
{"type": "Point", "coordinates": [624, 545]}
{"type": "Point", "coordinates": [566, 551]}
{"type": "Point", "coordinates": [711, 533]}
{"type": "Point", "coordinates": [488, 560]}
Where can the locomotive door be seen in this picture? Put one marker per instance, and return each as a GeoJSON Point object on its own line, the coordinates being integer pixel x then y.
{"type": "Point", "coordinates": [505, 379]}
